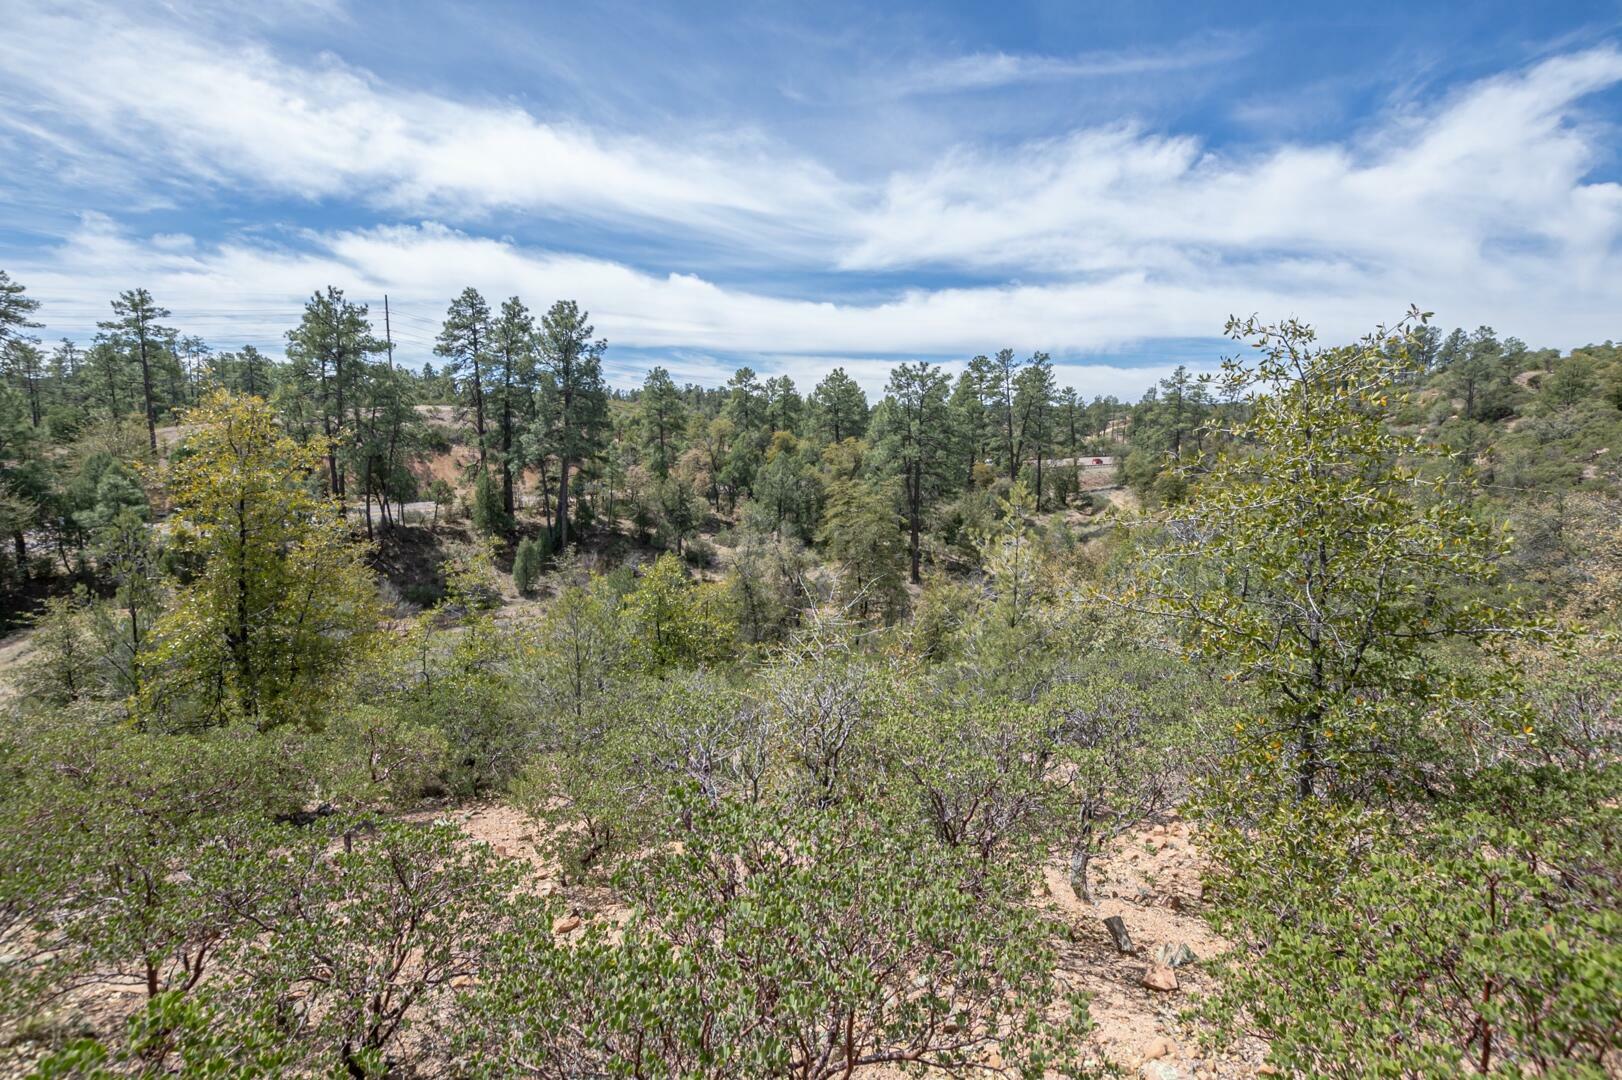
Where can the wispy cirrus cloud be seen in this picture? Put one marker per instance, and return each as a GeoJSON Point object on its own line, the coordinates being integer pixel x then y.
{"type": "Point", "coordinates": [1481, 205]}
{"type": "Point", "coordinates": [989, 70]}
{"type": "Point", "coordinates": [244, 291]}
{"type": "Point", "coordinates": [175, 108]}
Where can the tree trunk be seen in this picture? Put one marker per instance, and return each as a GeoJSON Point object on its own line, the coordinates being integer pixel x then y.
{"type": "Point", "coordinates": [1307, 767]}
{"type": "Point", "coordinates": [146, 392]}
{"type": "Point", "coordinates": [238, 638]}
{"type": "Point", "coordinates": [507, 440]}
{"type": "Point", "coordinates": [366, 494]}
{"type": "Point", "coordinates": [1079, 858]}
{"type": "Point", "coordinates": [1081, 853]}
{"type": "Point", "coordinates": [478, 402]}
{"type": "Point", "coordinates": [914, 497]}
{"type": "Point", "coordinates": [563, 504]}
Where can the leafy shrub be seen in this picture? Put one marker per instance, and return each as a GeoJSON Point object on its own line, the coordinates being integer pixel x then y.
{"type": "Point", "coordinates": [878, 953]}
{"type": "Point", "coordinates": [698, 552]}
{"type": "Point", "coordinates": [128, 853]}
{"type": "Point", "coordinates": [1486, 939]}
{"type": "Point", "coordinates": [356, 930]}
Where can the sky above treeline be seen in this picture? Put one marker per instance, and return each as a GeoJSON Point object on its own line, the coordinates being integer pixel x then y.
{"type": "Point", "coordinates": [802, 186]}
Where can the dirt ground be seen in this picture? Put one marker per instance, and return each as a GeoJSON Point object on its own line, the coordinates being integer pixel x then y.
{"type": "Point", "coordinates": [15, 649]}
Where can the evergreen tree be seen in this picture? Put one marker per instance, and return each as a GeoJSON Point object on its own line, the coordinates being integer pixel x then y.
{"type": "Point", "coordinates": [911, 436]}
{"type": "Point", "coordinates": [464, 342]}
{"type": "Point", "coordinates": [512, 345]}
{"type": "Point", "coordinates": [16, 307]}
{"type": "Point", "coordinates": [330, 352]}
{"type": "Point", "coordinates": [966, 416]}
{"type": "Point", "coordinates": [661, 417]}
{"type": "Point", "coordinates": [862, 533]}
{"type": "Point", "coordinates": [783, 405]}
{"type": "Point", "coordinates": [573, 362]}
{"type": "Point", "coordinates": [838, 408]}
{"type": "Point", "coordinates": [137, 333]}
{"type": "Point", "coordinates": [1033, 405]}
{"type": "Point", "coordinates": [999, 382]}
{"type": "Point", "coordinates": [527, 561]}
{"type": "Point", "coordinates": [25, 368]}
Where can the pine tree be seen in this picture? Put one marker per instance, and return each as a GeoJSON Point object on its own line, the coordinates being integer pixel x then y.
{"type": "Point", "coordinates": [838, 408]}
{"type": "Point", "coordinates": [661, 417]}
{"type": "Point", "coordinates": [330, 351]}
{"type": "Point", "coordinates": [911, 436]}
{"type": "Point", "coordinates": [512, 344]}
{"type": "Point", "coordinates": [15, 308]}
{"type": "Point", "coordinates": [574, 363]}
{"type": "Point", "coordinates": [464, 342]}
{"type": "Point", "coordinates": [137, 332]}
{"type": "Point", "coordinates": [1033, 404]}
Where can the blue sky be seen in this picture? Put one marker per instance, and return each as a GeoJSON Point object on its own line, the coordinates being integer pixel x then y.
{"type": "Point", "coordinates": [803, 186]}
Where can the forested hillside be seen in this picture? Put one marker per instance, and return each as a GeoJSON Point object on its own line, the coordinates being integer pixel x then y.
{"type": "Point", "coordinates": [827, 731]}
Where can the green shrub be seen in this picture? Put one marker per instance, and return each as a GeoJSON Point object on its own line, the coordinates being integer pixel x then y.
{"type": "Point", "coordinates": [489, 516]}
{"type": "Point", "coordinates": [698, 552]}
{"type": "Point", "coordinates": [356, 929]}
{"type": "Point", "coordinates": [875, 952]}
{"type": "Point", "coordinates": [1485, 939]}
{"type": "Point", "coordinates": [527, 562]}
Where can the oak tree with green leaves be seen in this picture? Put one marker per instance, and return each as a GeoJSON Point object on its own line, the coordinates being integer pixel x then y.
{"type": "Point", "coordinates": [1314, 560]}
{"type": "Point", "coordinates": [281, 602]}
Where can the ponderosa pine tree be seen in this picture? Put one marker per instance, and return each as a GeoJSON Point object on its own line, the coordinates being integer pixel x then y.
{"type": "Point", "coordinates": [330, 352]}
{"type": "Point", "coordinates": [838, 408]}
{"type": "Point", "coordinates": [25, 367]}
{"type": "Point", "coordinates": [783, 405]}
{"type": "Point", "coordinates": [136, 332]}
{"type": "Point", "coordinates": [574, 362]}
{"type": "Point", "coordinates": [464, 342]}
{"type": "Point", "coordinates": [911, 436]}
{"type": "Point", "coordinates": [16, 307]}
{"type": "Point", "coordinates": [1033, 407]}
{"type": "Point", "coordinates": [512, 347]}
{"type": "Point", "coordinates": [999, 376]}
{"type": "Point", "coordinates": [19, 351]}
{"type": "Point", "coordinates": [661, 418]}
{"type": "Point", "coordinates": [966, 413]}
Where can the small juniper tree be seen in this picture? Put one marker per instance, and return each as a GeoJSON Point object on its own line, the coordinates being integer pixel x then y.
{"type": "Point", "coordinates": [527, 562]}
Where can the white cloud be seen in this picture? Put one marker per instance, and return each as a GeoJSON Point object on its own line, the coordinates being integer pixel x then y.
{"type": "Point", "coordinates": [986, 70]}
{"type": "Point", "coordinates": [1502, 161]}
{"type": "Point", "coordinates": [1480, 208]}
{"type": "Point", "coordinates": [250, 292]}
{"type": "Point", "coordinates": [164, 99]}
